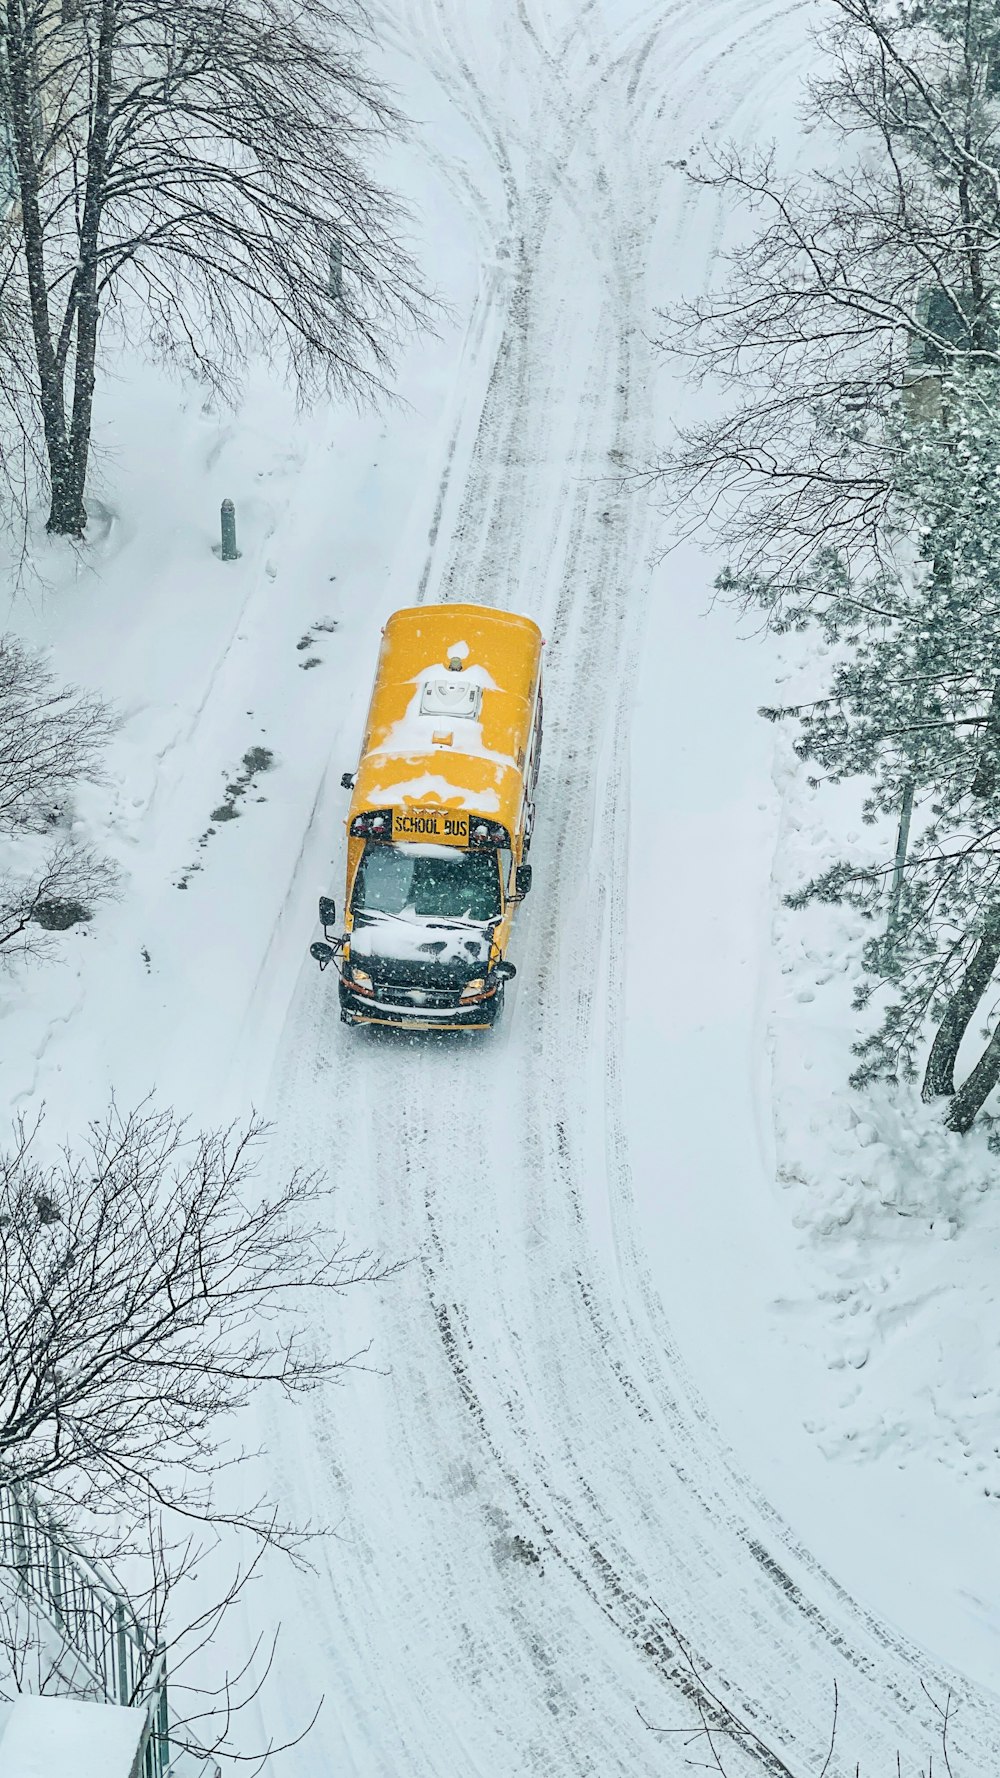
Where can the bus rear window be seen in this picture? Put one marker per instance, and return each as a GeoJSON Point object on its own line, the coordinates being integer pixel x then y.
{"type": "Point", "coordinates": [427, 882]}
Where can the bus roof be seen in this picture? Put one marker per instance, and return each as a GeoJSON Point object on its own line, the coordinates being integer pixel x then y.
{"type": "Point", "coordinates": [439, 735]}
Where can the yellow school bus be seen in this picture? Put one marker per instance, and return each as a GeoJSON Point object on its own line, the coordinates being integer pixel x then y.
{"type": "Point", "coordinates": [439, 826]}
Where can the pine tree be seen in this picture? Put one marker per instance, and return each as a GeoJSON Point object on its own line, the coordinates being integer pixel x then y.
{"type": "Point", "coordinates": [913, 707]}
{"type": "Point", "coordinates": [840, 508]}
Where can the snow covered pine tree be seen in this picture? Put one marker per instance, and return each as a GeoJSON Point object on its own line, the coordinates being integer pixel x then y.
{"type": "Point", "coordinates": [914, 706]}
{"type": "Point", "coordinates": [841, 506]}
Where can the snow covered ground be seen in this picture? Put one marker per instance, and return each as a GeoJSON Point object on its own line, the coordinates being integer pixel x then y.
{"type": "Point", "coordinates": [665, 1339]}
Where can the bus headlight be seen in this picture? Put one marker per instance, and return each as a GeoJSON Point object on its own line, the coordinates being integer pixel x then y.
{"type": "Point", "coordinates": [361, 980]}
{"type": "Point", "coordinates": [473, 990]}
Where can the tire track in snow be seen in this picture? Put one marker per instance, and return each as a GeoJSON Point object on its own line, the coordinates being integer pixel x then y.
{"type": "Point", "coordinates": [619, 1167]}
{"type": "Point", "coordinates": [535, 1392]}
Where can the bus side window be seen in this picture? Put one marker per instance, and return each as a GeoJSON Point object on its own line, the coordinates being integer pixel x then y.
{"type": "Point", "coordinates": [535, 752]}
{"type": "Point", "coordinates": [507, 871]}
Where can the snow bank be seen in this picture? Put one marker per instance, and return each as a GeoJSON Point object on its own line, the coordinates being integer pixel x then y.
{"type": "Point", "coordinates": [897, 1218]}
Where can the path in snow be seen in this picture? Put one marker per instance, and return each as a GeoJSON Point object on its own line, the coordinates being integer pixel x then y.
{"type": "Point", "coordinates": [534, 1470]}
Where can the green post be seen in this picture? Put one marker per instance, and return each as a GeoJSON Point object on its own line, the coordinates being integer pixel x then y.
{"type": "Point", "coordinates": [124, 1687]}
{"type": "Point", "coordinates": [163, 1724]}
{"type": "Point", "coordinates": [55, 1575]}
{"type": "Point", "coordinates": [20, 1541]}
{"type": "Point", "coordinates": [229, 549]}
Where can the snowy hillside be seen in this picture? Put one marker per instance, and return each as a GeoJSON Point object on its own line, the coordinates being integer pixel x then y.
{"type": "Point", "coordinates": [664, 1343]}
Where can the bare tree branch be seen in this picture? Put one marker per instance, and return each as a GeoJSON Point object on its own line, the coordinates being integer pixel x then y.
{"type": "Point", "coordinates": [147, 1290]}
{"type": "Point", "coordinates": [195, 162]}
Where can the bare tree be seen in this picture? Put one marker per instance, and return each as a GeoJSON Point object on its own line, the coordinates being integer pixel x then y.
{"type": "Point", "coordinates": [172, 1623]}
{"type": "Point", "coordinates": [21, 452]}
{"type": "Point", "coordinates": [845, 273]}
{"type": "Point", "coordinates": [147, 1637]}
{"type": "Point", "coordinates": [148, 1287]}
{"type": "Point", "coordinates": [203, 165]}
{"type": "Point", "coordinates": [721, 1731]}
{"type": "Point", "coordinates": [208, 1705]}
{"type": "Point", "coordinates": [63, 889]}
{"type": "Point", "coordinates": [51, 736]}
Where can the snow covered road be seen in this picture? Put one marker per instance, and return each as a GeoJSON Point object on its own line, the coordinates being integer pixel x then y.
{"type": "Point", "coordinates": [534, 1468]}
{"type": "Point", "coordinates": [587, 1400]}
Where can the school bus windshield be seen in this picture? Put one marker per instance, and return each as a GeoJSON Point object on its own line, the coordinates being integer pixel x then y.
{"type": "Point", "coordinates": [427, 882]}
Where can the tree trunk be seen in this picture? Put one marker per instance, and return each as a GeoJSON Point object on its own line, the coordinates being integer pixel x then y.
{"type": "Point", "coordinates": [974, 1091]}
{"type": "Point", "coordinates": [22, 97]}
{"type": "Point", "coordinates": [984, 782]}
{"type": "Point", "coordinates": [982, 325]}
{"type": "Point", "coordinates": [72, 511]}
{"type": "Point", "coordinates": [69, 514]}
{"type": "Point", "coordinates": [939, 1076]}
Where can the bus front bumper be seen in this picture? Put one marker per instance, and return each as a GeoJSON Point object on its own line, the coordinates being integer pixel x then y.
{"type": "Point", "coordinates": [409, 1010]}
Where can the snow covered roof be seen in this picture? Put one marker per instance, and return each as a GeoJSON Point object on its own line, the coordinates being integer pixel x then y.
{"type": "Point", "coordinates": [45, 1737]}
{"type": "Point", "coordinates": [449, 722]}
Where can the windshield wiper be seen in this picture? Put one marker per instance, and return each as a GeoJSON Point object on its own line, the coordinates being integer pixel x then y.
{"type": "Point", "coordinates": [447, 920]}
{"type": "Point", "coordinates": [412, 918]}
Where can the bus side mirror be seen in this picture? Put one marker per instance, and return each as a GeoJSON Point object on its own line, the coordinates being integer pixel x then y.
{"type": "Point", "coordinates": [505, 972]}
{"type": "Point", "coordinates": [347, 781]}
{"type": "Point", "coordinates": [522, 880]}
{"type": "Point", "coordinates": [324, 954]}
{"type": "Point", "coordinates": [327, 912]}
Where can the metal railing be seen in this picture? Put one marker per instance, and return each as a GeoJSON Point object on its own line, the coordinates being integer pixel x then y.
{"type": "Point", "coordinates": [100, 1647]}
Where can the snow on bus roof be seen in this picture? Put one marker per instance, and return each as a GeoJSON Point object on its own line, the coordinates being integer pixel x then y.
{"type": "Point", "coordinates": [426, 742]}
{"type": "Point", "coordinates": [414, 734]}
{"type": "Point", "coordinates": [431, 787]}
